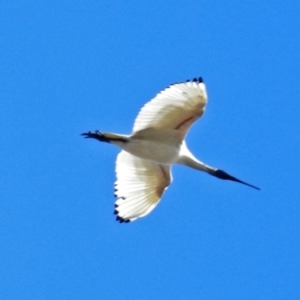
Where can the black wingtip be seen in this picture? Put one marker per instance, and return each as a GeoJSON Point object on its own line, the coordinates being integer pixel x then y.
{"type": "Point", "coordinates": [121, 220]}
{"type": "Point", "coordinates": [199, 80]}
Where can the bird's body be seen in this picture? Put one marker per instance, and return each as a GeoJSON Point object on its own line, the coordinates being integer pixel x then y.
{"type": "Point", "coordinates": [143, 166]}
{"type": "Point", "coordinates": [158, 145]}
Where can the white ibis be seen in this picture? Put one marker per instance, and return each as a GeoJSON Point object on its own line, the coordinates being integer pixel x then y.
{"type": "Point", "coordinates": [143, 167]}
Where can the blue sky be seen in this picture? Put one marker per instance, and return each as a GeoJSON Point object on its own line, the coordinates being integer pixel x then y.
{"type": "Point", "coordinates": [72, 66]}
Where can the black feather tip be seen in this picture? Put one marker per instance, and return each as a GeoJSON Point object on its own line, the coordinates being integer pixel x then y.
{"type": "Point", "coordinates": [121, 220]}
{"type": "Point", "coordinates": [198, 80]}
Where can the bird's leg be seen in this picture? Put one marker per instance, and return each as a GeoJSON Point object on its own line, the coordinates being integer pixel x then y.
{"type": "Point", "coordinates": [96, 135]}
{"type": "Point", "coordinates": [104, 137]}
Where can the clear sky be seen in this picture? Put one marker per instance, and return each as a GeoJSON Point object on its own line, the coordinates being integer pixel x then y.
{"type": "Point", "coordinates": [67, 67]}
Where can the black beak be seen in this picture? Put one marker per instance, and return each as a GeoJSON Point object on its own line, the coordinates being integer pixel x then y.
{"type": "Point", "coordinates": [223, 175]}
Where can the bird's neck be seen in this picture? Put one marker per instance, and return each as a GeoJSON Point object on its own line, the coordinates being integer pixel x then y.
{"type": "Point", "coordinates": [187, 158]}
{"type": "Point", "coordinates": [194, 163]}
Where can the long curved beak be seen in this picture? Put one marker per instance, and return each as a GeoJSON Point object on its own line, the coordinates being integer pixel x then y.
{"type": "Point", "coordinates": [223, 175]}
{"type": "Point", "coordinates": [243, 182]}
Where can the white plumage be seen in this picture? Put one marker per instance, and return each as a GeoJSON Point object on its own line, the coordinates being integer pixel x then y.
{"type": "Point", "coordinates": [143, 167]}
{"type": "Point", "coordinates": [139, 186]}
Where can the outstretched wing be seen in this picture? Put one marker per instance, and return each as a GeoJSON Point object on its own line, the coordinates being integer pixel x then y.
{"type": "Point", "coordinates": [139, 186]}
{"type": "Point", "coordinates": [176, 107]}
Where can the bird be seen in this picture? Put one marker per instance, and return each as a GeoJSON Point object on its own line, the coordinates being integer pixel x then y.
{"type": "Point", "coordinates": [157, 141]}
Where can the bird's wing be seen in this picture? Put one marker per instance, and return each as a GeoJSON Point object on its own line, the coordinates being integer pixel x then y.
{"type": "Point", "coordinates": [139, 186]}
{"type": "Point", "coordinates": [176, 107]}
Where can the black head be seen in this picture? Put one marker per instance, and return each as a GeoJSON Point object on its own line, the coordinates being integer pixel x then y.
{"type": "Point", "coordinates": [223, 175]}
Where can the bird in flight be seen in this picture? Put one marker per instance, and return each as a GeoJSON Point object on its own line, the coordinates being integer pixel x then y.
{"type": "Point", "coordinates": [143, 167]}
